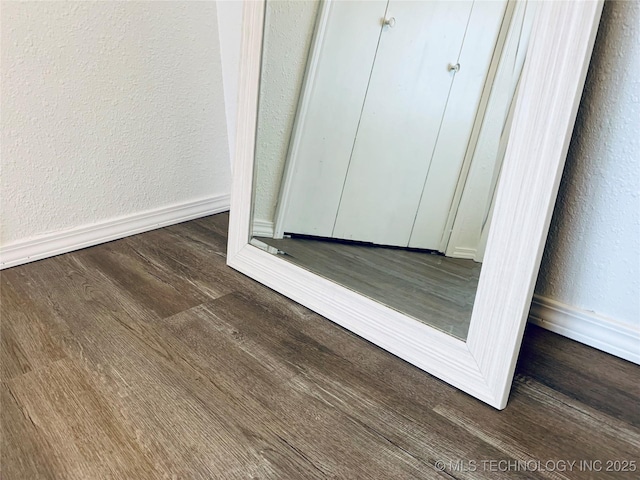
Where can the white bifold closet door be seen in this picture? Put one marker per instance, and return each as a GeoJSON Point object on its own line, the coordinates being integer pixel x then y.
{"type": "Point", "coordinates": [385, 119]}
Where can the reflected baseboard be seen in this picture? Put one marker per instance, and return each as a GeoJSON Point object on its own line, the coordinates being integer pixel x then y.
{"type": "Point", "coordinates": [462, 252]}
{"type": "Point", "coordinates": [263, 228]}
{"type": "Point", "coordinates": [586, 327]}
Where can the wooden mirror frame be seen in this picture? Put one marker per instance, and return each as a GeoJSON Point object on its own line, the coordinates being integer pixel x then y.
{"type": "Point", "coordinates": [547, 101]}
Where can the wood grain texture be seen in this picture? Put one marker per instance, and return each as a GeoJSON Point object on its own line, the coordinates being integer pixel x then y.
{"type": "Point", "coordinates": [567, 368]}
{"type": "Point", "coordinates": [24, 453]}
{"type": "Point", "coordinates": [27, 340]}
{"type": "Point", "coordinates": [101, 382]}
{"type": "Point", "coordinates": [433, 289]}
{"type": "Point", "coordinates": [78, 428]}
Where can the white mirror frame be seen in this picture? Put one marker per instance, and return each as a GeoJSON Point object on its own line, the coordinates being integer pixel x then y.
{"type": "Point", "coordinates": [483, 365]}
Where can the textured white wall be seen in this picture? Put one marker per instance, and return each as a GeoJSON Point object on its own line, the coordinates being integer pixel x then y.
{"type": "Point", "coordinates": [592, 257]}
{"type": "Point", "coordinates": [230, 29]}
{"type": "Point", "coordinates": [108, 109]}
{"type": "Point", "coordinates": [289, 29]}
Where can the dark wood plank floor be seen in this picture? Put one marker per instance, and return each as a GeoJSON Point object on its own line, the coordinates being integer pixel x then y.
{"type": "Point", "coordinates": [148, 358]}
{"type": "Point", "coordinates": [433, 289]}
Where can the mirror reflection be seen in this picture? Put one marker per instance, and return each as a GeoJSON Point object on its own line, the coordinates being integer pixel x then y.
{"type": "Point", "coordinates": [381, 132]}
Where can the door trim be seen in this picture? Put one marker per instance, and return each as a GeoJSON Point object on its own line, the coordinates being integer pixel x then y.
{"type": "Point", "coordinates": [300, 119]}
{"type": "Point", "coordinates": [502, 44]}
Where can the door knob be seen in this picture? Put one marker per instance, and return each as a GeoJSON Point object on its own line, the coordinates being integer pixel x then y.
{"type": "Point", "coordinates": [389, 22]}
{"type": "Point", "coordinates": [454, 68]}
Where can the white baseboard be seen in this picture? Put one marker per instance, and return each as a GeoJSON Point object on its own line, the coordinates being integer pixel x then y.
{"type": "Point", "coordinates": [587, 327]}
{"type": "Point", "coordinates": [462, 252]}
{"type": "Point", "coordinates": [87, 235]}
{"type": "Point", "coordinates": [263, 228]}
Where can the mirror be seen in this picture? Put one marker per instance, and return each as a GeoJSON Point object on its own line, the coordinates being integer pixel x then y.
{"type": "Point", "coordinates": [397, 164]}
{"type": "Point", "coordinates": [381, 133]}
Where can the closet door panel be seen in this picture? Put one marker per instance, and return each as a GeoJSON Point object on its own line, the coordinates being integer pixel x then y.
{"type": "Point", "coordinates": [456, 130]}
{"type": "Point", "coordinates": [328, 114]}
{"type": "Point", "coordinates": [400, 121]}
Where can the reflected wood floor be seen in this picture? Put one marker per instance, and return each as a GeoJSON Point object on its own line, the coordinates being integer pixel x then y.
{"type": "Point", "coordinates": [434, 289]}
{"type": "Point", "coordinates": [148, 358]}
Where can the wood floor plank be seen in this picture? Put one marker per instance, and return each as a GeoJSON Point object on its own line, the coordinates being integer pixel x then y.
{"type": "Point", "coordinates": [595, 378]}
{"type": "Point", "coordinates": [24, 455]}
{"type": "Point", "coordinates": [84, 433]}
{"type": "Point", "coordinates": [202, 265]}
{"type": "Point", "coordinates": [157, 289]}
{"type": "Point", "coordinates": [13, 360]}
{"type": "Point", "coordinates": [26, 343]}
{"type": "Point", "coordinates": [209, 232]}
{"type": "Point", "coordinates": [580, 412]}
{"type": "Point", "coordinates": [531, 429]}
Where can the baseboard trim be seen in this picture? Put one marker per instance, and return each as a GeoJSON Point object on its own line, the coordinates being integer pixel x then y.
{"type": "Point", "coordinates": [462, 252]}
{"type": "Point", "coordinates": [88, 235]}
{"type": "Point", "coordinates": [263, 228]}
{"type": "Point", "coordinates": [587, 327]}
